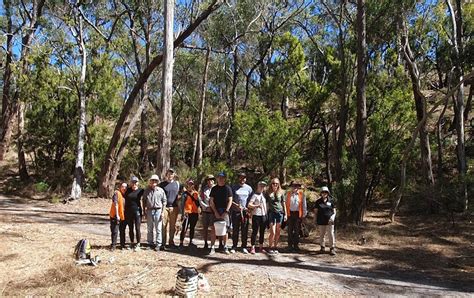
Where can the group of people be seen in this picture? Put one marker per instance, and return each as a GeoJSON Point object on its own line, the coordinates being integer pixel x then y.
{"type": "Point", "coordinates": [163, 204]}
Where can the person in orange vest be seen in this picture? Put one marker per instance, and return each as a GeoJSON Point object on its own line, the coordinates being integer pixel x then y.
{"type": "Point", "coordinates": [295, 211]}
{"type": "Point", "coordinates": [117, 217]}
{"type": "Point", "coordinates": [190, 213]}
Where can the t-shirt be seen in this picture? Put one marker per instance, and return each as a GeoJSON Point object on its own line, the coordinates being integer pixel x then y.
{"type": "Point", "coordinates": [241, 195]}
{"type": "Point", "coordinates": [275, 202]}
{"type": "Point", "coordinates": [205, 197]}
{"type": "Point", "coordinates": [221, 195]}
{"type": "Point", "coordinates": [133, 200]}
{"type": "Point", "coordinates": [171, 189]}
{"type": "Point", "coordinates": [259, 199]}
{"type": "Point", "coordinates": [325, 211]}
{"type": "Point", "coordinates": [154, 198]}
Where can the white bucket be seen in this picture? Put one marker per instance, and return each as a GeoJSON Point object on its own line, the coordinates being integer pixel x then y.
{"type": "Point", "coordinates": [220, 227]}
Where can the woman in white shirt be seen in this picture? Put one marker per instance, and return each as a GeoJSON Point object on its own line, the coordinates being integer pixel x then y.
{"type": "Point", "coordinates": [258, 205]}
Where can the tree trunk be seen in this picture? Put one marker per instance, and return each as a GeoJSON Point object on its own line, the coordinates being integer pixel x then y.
{"type": "Point", "coordinates": [78, 180]}
{"type": "Point", "coordinates": [358, 201]}
{"type": "Point", "coordinates": [22, 168]}
{"type": "Point", "coordinates": [327, 157]}
{"type": "Point", "coordinates": [106, 178]}
{"type": "Point", "coordinates": [201, 110]}
{"type": "Point", "coordinates": [144, 161]}
{"type": "Point", "coordinates": [456, 18]}
{"type": "Point", "coordinates": [166, 121]}
{"type": "Point", "coordinates": [468, 104]}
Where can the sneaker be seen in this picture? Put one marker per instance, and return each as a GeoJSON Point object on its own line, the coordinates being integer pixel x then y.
{"type": "Point", "coordinates": [226, 251]}
{"type": "Point", "coordinates": [263, 251]}
{"type": "Point", "coordinates": [206, 246]}
{"type": "Point", "coordinates": [181, 246]}
{"type": "Point", "coordinates": [137, 247]}
{"type": "Point", "coordinates": [245, 251]}
{"type": "Point", "coordinates": [275, 251]}
{"type": "Point", "coordinates": [271, 252]}
{"type": "Point", "coordinates": [163, 248]}
{"type": "Point", "coordinates": [252, 250]}
{"type": "Point", "coordinates": [212, 251]}
{"type": "Point", "coordinates": [322, 250]}
{"type": "Point", "coordinates": [332, 252]}
{"type": "Point", "coordinates": [297, 248]}
{"type": "Point", "coordinates": [112, 247]}
{"type": "Point", "coordinates": [157, 248]}
{"type": "Point", "coordinates": [232, 250]}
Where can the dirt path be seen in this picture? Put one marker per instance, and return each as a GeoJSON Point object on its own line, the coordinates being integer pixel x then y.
{"type": "Point", "coordinates": [37, 238]}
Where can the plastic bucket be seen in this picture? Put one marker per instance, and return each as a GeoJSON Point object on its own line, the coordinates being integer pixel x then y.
{"type": "Point", "coordinates": [220, 227]}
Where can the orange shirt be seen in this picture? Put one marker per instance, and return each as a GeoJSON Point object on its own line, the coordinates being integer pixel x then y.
{"type": "Point", "coordinates": [191, 202]}
{"type": "Point", "coordinates": [120, 201]}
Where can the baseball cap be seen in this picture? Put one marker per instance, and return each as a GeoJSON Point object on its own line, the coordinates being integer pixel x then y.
{"type": "Point", "coordinates": [210, 177]}
{"type": "Point", "coordinates": [154, 177]}
{"type": "Point", "coordinates": [242, 174]}
{"type": "Point", "coordinates": [134, 179]}
{"type": "Point", "coordinates": [262, 183]}
{"type": "Point", "coordinates": [325, 189]}
{"type": "Point", "coordinates": [221, 174]}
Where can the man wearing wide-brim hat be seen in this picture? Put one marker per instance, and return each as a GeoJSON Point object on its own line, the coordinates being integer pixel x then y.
{"type": "Point", "coordinates": [325, 215]}
{"type": "Point", "coordinates": [296, 211]}
{"type": "Point", "coordinates": [154, 201]}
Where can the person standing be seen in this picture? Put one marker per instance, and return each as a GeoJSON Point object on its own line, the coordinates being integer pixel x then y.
{"type": "Point", "coordinates": [190, 213]}
{"type": "Point", "coordinates": [221, 202]}
{"type": "Point", "coordinates": [276, 214]}
{"type": "Point", "coordinates": [325, 216]}
{"type": "Point", "coordinates": [258, 205]}
{"type": "Point", "coordinates": [133, 211]}
{"type": "Point", "coordinates": [295, 211]}
{"type": "Point", "coordinates": [204, 201]}
{"type": "Point", "coordinates": [242, 192]}
{"type": "Point", "coordinates": [117, 216]}
{"type": "Point", "coordinates": [171, 212]}
{"type": "Point", "coordinates": [154, 201]}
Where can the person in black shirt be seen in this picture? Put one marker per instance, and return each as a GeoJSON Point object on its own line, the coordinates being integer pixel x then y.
{"type": "Point", "coordinates": [133, 211]}
{"type": "Point", "coordinates": [325, 215]}
{"type": "Point", "coordinates": [221, 201]}
{"type": "Point", "coordinates": [171, 212]}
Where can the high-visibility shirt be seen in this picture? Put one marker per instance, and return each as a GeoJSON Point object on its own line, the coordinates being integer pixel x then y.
{"type": "Point", "coordinates": [120, 201]}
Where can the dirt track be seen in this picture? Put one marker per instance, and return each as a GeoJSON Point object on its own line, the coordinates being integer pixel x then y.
{"type": "Point", "coordinates": [37, 239]}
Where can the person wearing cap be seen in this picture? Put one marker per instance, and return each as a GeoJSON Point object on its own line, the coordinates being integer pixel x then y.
{"type": "Point", "coordinates": [154, 201]}
{"type": "Point", "coordinates": [189, 213]}
{"type": "Point", "coordinates": [117, 217]}
{"type": "Point", "coordinates": [133, 211]}
{"type": "Point", "coordinates": [258, 206]}
{"type": "Point", "coordinates": [240, 215]}
{"type": "Point", "coordinates": [204, 201]}
{"type": "Point", "coordinates": [221, 202]}
{"type": "Point", "coordinates": [325, 215]}
{"type": "Point", "coordinates": [171, 212]}
{"type": "Point", "coordinates": [295, 211]}
{"type": "Point", "coordinates": [276, 214]}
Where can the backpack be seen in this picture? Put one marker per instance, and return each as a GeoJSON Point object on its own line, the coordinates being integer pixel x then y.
{"type": "Point", "coordinates": [82, 250]}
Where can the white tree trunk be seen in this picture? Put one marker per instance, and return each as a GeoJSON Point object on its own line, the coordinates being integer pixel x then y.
{"type": "Point", "coordinates": [76, 190]}
{"type": "Point", "coordinates": [166, 122]}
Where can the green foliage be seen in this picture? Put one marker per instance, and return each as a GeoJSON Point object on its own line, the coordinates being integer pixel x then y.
{"type": "Point", "coordinates": [41, 186]}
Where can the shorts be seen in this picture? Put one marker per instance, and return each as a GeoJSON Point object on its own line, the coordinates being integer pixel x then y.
{"type": "Point", "coordinates": [276, 217]}
{"type": "Point", "coordinates": [207, 219]}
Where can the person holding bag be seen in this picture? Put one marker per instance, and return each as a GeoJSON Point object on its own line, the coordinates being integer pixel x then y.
{"type": "Point", "coordinates": [258, 205]}
{"type": "Point", "coordinates": [325, 216]}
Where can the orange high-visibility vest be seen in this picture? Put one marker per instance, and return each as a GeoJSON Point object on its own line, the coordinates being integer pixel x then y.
{"type": "Point", "coordinates": [120, 202]}
{"type": "Point", "coordinates": [191, 202]}
{"type": "Point", "coordinates": [300, 202]}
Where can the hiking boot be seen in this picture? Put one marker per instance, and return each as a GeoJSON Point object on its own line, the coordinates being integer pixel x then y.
{"type": "Point", "coordinates": [157, 248]}
{"type": "Point", "coordinates": [322, 250]}
{"type": "Point", "coordinates": [181, 246]}
{"type": "Point", "coordinates": [245, 251]}
{"type": "Point", "coordinates": [212, 251]}
{"type": "Point", "coordinates": [297, 248]}
{"type": "Point", "coordinates": [206, 246]}
{"type": "Point", "coordinates": [163, 248]}
{"type": "Point", "coordinates": [332, 252]}
{"type": "Point", "coordinates": [112, 247]}
{"type": "Point", "coordinates": [232, 250]}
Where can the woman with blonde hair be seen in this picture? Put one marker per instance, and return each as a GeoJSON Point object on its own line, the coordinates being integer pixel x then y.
{"type": "Point", "coordinates": [276, 213]}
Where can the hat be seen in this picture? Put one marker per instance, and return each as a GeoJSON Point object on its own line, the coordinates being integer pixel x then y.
{"type": "Point", "coordinates": [262, 183]}
{"type": "Point", "coordinates": [221, 174]}
{"type": "Point", "coordinates": [190, 181]}
{"type": "Point", "coordinates": [154, 177]}
{"type": "Point", "coordinates": [242, 174]}
{"type": "Point", "coordinates": [171, 170]}
{"type": "Point", "coordinates": [295, 183]}
{"type": "Point", "coordinates": [210, 177]}
{"type": "Point", "coordinates": [134, 179]}
{"type": "Point", "coordinates": [325, 189]}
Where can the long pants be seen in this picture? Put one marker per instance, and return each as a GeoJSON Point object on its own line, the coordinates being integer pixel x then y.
{"type": "Point", "coordinates": [134, 220]}
{"type": "Point", "coordinates": [154, 224]}
{"type": "Point", "coordinates": [294, 227]}
{"type": "Point", "coordinates": [115, 227]}
{"type": "Point", "coordinates": [240, 222]}
{"type": "Point", "coordinates": [189, 221]}
{"type": "Point", "coordinates": [322, 232]}
{"type": "Point", "coordinates": [258, 226]}
{"type": "Point", "coordinates": [170, 215]}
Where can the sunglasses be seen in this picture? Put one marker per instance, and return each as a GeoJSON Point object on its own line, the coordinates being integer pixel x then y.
{"type": "Point", "coordinates": [274, 183]}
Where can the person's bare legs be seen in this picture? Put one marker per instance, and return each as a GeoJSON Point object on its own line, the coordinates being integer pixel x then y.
{"type": "Point", "coordinates": [277, 235]}
{"type": "Point", "coordinates": [272, 236]}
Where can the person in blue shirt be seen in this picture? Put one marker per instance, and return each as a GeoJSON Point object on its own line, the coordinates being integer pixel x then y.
{"type": "Point", "coordinates": [242, 192]}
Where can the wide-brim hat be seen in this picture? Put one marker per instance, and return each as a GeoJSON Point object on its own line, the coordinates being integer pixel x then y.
{"type": "Point", "coordinates": [154, 177]}
{"type": "Point", "coordinates": [325, 189]}
{"type": "Point", "coordinates": [210, 177]}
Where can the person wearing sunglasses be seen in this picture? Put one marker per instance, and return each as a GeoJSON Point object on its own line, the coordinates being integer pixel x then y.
{"type": "Point", "coordinates": [276, 214]}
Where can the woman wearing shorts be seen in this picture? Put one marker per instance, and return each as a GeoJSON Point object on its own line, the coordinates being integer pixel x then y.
{"type": "Point", "coordinates": [276, 213]}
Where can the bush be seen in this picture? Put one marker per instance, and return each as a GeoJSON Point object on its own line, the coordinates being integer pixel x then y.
{"type": "Point", "coordinates": [41, 186]}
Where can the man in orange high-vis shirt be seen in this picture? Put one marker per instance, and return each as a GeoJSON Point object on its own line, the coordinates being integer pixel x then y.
{"type": "Point", "coordinates": [295, 211]}
{"type": "Point", "coordinates": [117, 217]}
